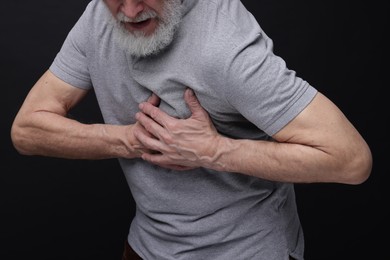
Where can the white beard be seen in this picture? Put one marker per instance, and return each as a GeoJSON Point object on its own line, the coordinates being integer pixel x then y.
{"type": "Point", "coordinates": [140, 45]}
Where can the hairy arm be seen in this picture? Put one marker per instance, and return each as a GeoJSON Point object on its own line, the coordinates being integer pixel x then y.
{"type": "Point", "coordinates": [41, 126]}
{"type": "Point", "coordinates": [319, 145]}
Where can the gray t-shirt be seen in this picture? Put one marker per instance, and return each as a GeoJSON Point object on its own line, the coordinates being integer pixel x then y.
{"type": "Point", "coordinates": [221, 52]}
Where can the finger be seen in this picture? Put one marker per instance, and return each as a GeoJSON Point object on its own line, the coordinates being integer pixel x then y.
{"type": "Point", "coordinates": [151, 126]}
{"type": "Point", "coordinates": [178, 167]}
{"type": "Point", "coordinates": [160, 161]}
{"type": "Point", "coordinates": [149, 142]}
{"type": "Point", "coordinates": [141, 130]}
{"type": "Point", "coordinates": [154, 100]}
{"type": "Point", "coordinates": [155, 113]}
{"type": "Point", "coordinates": [193, 103]}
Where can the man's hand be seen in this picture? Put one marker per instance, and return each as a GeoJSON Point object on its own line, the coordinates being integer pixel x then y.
{"type": "Point", "coordinates": [181, 144]}
{"type": "Point", "coordinates": [136, 146]}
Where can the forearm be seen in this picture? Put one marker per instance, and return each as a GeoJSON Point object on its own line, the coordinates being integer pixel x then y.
{"type": "Point", "coordinates": [319, 145]}
{"type": "Point", "coordinates": [48, 134]}
{"type": "Point", "coordinates": [272, 160]}
{"type": "Point", "coordinates": [287, 162]}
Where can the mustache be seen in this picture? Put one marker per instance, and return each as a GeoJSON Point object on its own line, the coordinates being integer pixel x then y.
{"type": "Point", "coordinates": [145, 15]}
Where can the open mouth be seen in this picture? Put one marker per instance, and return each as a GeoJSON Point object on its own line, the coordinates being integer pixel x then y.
{"type": "Point", "coordinates": [143, 25]}
{"type": "Point", "coordinates": [139, 25]}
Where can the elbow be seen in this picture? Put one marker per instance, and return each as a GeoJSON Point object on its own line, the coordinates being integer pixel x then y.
{"type": "Point", "coordinates": [365, 168]}
{"type": "Point", "coordinates": [358, 169]}
{"type": "Point", "coordinates": [20, 141]}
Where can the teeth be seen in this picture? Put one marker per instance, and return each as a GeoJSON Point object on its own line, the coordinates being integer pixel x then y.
{"type": "Point", "coordinates": [142, 18]}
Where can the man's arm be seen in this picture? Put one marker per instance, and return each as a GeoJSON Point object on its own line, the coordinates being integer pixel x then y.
{"type": "Point", "coordinates": [41, 126]}
{"type": "Point", "coordinates": [319, 145]}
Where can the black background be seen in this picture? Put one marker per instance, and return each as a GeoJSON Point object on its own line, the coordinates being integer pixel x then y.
{"type": "Point", "coordinates": [69, 209]}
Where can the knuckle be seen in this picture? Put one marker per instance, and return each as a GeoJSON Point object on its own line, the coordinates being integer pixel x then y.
{"type": "Point", "coordinates": [154, 113]}
{"type": "Point", "coordinates": [171, 125]}
{"type": "Point", "coordinates": [148, 127]}
{"type": "Point", "coordinates": [167, 138]}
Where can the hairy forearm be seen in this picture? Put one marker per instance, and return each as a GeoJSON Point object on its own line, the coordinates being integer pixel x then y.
{"type": "Point", "coordinates": [286, 162]}
{"type": "Point", "coordinates": [48, 134]}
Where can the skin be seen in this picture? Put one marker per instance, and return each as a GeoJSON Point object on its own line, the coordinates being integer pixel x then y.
{"type": "Point", "coordinates": [42, 128]}
{"type": "Point", "coordinates": [319, 145]}
{"type": "Point", "coordinates": [132, 8]}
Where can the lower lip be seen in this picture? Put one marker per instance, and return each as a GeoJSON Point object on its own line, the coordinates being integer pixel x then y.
{"type": "Point", "coordinates": [138, 26]}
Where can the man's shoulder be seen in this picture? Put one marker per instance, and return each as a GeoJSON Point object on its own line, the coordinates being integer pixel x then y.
{"type": "Point", "coordinates": [92, 24]}
{"type": "Point", "coordinates": [97, 12]}
{"type": "Point", "coordinates": [223, 24]}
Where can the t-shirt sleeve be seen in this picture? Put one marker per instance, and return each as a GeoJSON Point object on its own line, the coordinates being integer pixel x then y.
{"type": "Point", "coordinates": [70, 63]}
{"type": "Point", "coordinates": [261, 87]}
